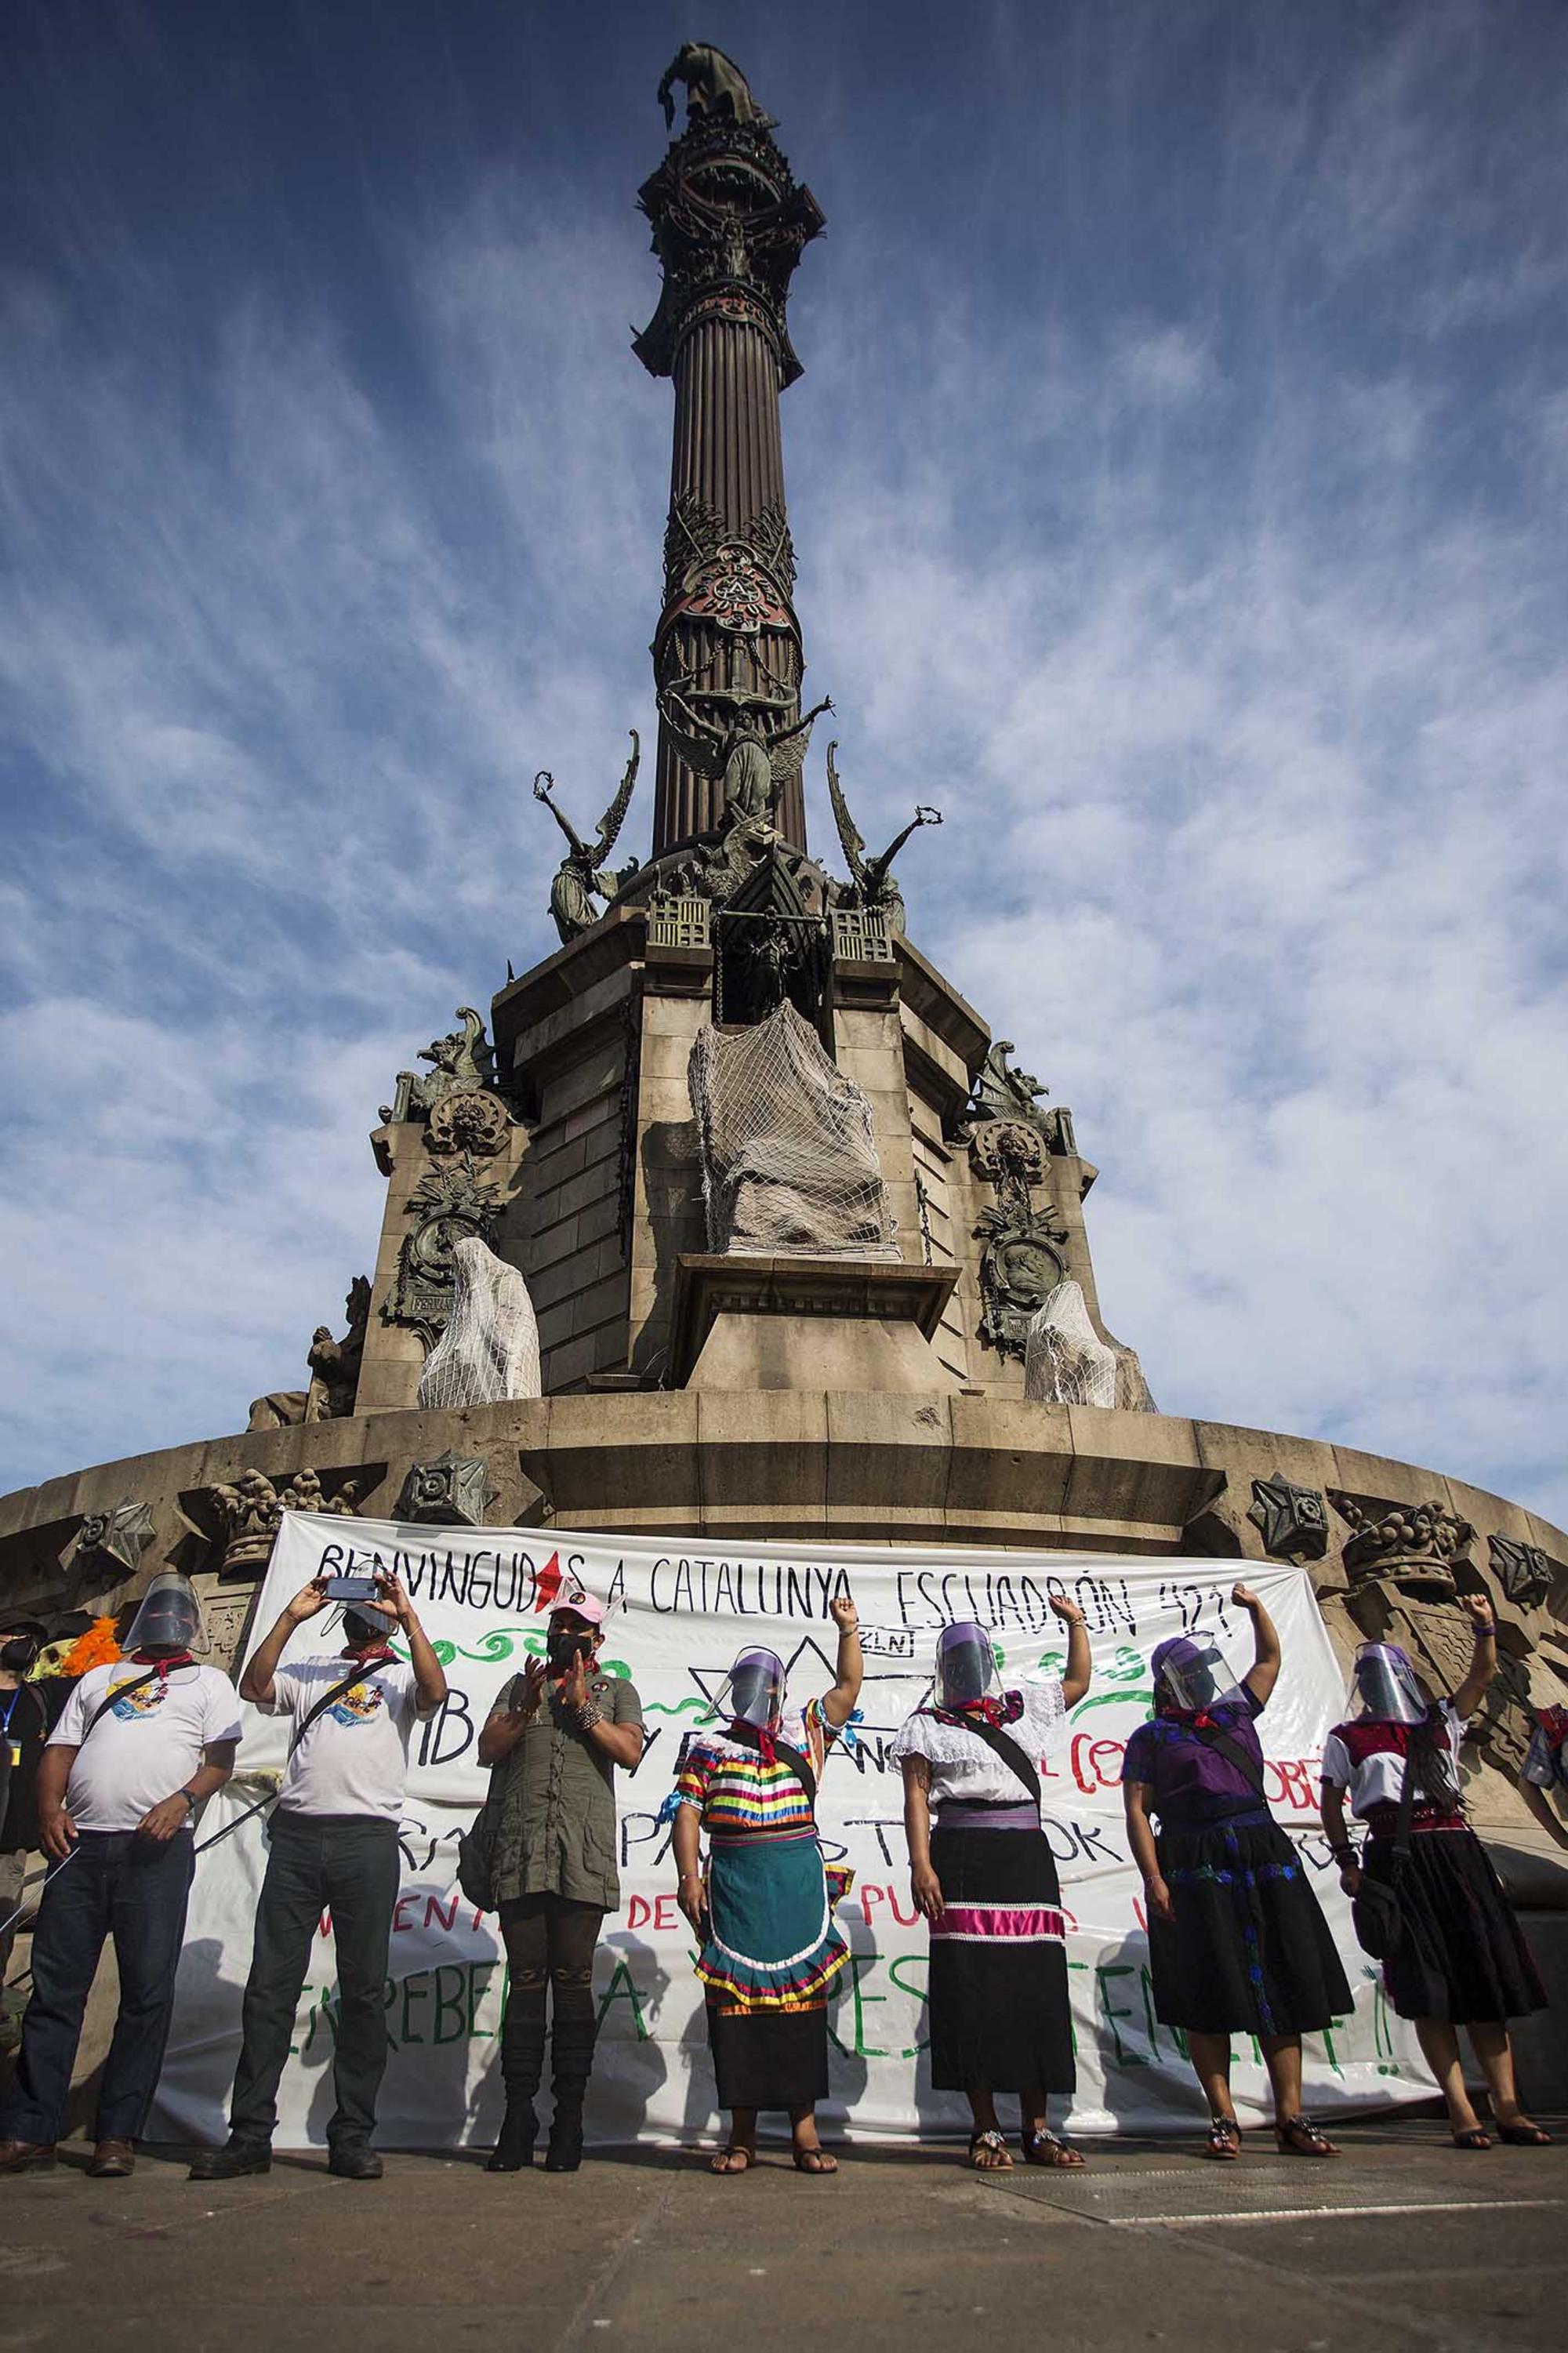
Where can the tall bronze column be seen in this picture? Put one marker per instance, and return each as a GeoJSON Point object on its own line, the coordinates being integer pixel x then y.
{"type": "Point", "coordinates": [728, 224]}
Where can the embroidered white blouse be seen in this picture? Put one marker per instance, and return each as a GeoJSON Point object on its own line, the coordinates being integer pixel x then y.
{"type": "Point", "coordinates": [964, 1770]}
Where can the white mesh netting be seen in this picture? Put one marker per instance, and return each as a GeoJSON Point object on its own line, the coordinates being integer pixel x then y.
{"type": "Point", "coordinates": [789, 1152]}
{"type": "Point", "coordinates": [1065, 1361]}
{"type": "Point", "coordinates": [489, 1349]}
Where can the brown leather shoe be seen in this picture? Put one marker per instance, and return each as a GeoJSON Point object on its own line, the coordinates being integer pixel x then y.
{"type": "Point", "coordinates": [113, 2160]}
{"type": "Point", "coordinates": [26, 2156]}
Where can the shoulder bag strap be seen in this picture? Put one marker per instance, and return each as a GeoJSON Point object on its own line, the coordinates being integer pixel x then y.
{"type": "Point", "coordinates": [1003, 1745]}
{"type": "Point", "coordinates": [798, 1765]}
{"type": "Point", "coordinates": [120, 1691]}
{"type": "Point", "coordinates": [1234, 1754]}
{"type": "Point", "coordinates": [355, 1674]}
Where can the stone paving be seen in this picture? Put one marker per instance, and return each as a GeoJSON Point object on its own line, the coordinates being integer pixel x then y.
{"type": "Point", "coordinates": [1402, 2242]}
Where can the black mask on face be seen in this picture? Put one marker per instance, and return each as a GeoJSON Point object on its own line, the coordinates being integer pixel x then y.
{"type": "Point", "coordinates": [17, 1655]}
{"type": "Point", "coordinates": [564, 1646]}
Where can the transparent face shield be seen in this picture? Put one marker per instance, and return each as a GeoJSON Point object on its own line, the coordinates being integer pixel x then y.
{"type": "Point", "coordinates": [966, 1665]}
{"type": "Point", "coordinates": [168, 1617]}
{"type": "Point", "coordinates": [1385, 1686]}
{"type": "Point", "coordinates": [1185, 1673]}
{"type": "Point", "coordinates": [753, 1691]}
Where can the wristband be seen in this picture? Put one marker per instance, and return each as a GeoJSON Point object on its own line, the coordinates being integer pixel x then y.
{"type": "Point", "coordinates": [1342, 1854]}
{"type": "Point", "coordinates": [190, 1796]}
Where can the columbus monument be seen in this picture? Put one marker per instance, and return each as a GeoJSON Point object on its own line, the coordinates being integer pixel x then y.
{"type": "Point", "coordinates": [732, 1218]}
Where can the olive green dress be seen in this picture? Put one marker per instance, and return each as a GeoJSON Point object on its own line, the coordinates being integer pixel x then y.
{"type": "Point", "coordinates": [557, 1834]}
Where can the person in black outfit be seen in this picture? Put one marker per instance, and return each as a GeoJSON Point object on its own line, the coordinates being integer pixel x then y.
{"type": "Point", "coordinates": [24, 1729]}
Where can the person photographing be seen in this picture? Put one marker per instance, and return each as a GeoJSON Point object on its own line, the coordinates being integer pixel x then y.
{"type": "Point", "coordinates": [554, 1738]}
{"type": "Point", "coordinates": [333, 1848]}
{"type": "Point", "coordinates": [138, 1745]}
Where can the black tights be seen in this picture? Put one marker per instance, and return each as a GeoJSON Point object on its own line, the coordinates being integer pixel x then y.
{"type": "Point", "coordinates": [550, 1944]}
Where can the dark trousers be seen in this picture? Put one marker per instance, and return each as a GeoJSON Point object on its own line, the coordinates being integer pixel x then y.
{"type": "Point", "coordinates": [133, 1889]}
{"type": "Point", "coordinates": [550, 1944]}
{"type": "Point", "coordinates": [347, 1863]}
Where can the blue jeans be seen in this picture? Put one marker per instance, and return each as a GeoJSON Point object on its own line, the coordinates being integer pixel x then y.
{"type": "Point", "coordinates": [134, 1889]}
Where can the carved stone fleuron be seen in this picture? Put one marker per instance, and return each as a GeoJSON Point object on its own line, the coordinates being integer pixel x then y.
{"type": "Point", "coordinates": [1523, 1571]}
{"type": "Point", "coordinates": [454, 1490]}
{"type": "Point", "coordinates": [582, 870]}
{"type": "Point", "coordinates": [462, 1059]}
{"type": "Point", "coordinates": [114, 1540]}
{"type": "Point", "coordinates": [729, 225]}
{"type": "Point", "coordinates": [1020, 1266]}
{"type": "Point", "coordinates": [1012, 1155]}
{"type": "Point", "coordinates": [1292, 1520]}
{"type": "Point", "coordinates": [451, 1201]}
{"type": "Point", "coordinates": [248, 1513]}
{"type": "Point", "coordinates": [469, 1120]}
{"type": "Point", "coordinates": [1413, 1545]}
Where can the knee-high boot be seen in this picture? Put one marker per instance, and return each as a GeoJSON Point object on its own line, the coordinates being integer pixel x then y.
{"type": "Point", "coordinates": [571, 2054]}
{"type": "Point", "coordinates": [521, 2065]}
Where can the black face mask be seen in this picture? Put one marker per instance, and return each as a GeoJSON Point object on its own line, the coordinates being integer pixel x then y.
{"type": "Point", "coordinates": [563, 1648]}
{"type": "Point", "coordinates": [360, 1634]}
{"type": "Point", "coordinates": [18, 1656]}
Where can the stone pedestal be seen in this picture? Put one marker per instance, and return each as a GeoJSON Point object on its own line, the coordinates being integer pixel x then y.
{"type": "Point", "coordinates": [822, 1324]}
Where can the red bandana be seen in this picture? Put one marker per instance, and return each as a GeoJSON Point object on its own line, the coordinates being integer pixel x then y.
{"type": "Point", "coordinates": [176, 1659]}
{"type": "Point", "coordinates": [1195, 1719]}
{"type": "Point", "coordinates": [996, 1712]}
{"type": "Point", "coordinates": [744, 1733]}
{"type": "Point", "coordinates": [372, 1654]}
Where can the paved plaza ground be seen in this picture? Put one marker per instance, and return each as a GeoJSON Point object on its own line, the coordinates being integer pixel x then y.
{"type": "Point", "coordinates": [1402, 2242]}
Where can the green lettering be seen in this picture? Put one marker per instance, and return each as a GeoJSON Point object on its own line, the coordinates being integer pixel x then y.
{"type": "Point", "coordinates": [413, 1991]}
{"type": "Point", "coordinates": [1124, 2058]}
{"type": "Point", "coordinates": [916, 1993]}
{"type": "Point", "coordinates": [479, 1975]}
{"type": "Point", "coordinates": [451, 2005]}
{"type": "Point", "coordinates": [623, 1986]}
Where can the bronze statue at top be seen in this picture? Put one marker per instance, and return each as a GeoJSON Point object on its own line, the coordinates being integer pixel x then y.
{"type": "Point", "coordinates": [714, 85]}
{"type": "Point", "coordinates": [728, 224]}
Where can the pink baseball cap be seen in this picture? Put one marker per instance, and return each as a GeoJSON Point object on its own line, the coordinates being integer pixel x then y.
{"type": "Point", "coordinates": [581, 1605]}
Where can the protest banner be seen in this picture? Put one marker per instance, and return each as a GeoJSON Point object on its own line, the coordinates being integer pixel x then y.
{"type": "Point", "coordinates": [681, 1608]}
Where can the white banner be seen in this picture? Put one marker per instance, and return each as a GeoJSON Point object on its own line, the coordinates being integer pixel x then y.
{"type": "Point", "coordinates": [682, 1611]}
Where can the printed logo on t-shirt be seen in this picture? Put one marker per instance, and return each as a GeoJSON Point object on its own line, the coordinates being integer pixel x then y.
{"type": "Point", "coordinates": [358, 1705]}
{"type": "Point", "coordinates": [131, 1706]}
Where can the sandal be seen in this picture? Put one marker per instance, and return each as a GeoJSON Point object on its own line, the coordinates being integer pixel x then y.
{"type": "Point", "coordinates": [1299, 2136]}
{"type": "Point", "coordinates": [1524, 2134]}
{"type": "Point", "coordinates": [1042, 2146]}
{"type": "Point", "coordinates": [1224, 2138]}
{"type": "Point", "coordinates": [815, 2160]}
{"type": "Point", "coordinates": [1477, 2138]}
{"type": "Point", "coordinates": [719, 2160]}
{"type": "Point", "coordinates": [996, 2148]}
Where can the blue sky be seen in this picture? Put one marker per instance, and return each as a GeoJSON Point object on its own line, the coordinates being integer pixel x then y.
{"type": "Point", "coordinates": [1177, 479]}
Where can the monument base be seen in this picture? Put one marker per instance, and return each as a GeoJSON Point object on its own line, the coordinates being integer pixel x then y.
{"type": "Point", "coordinates": [744, 1323]}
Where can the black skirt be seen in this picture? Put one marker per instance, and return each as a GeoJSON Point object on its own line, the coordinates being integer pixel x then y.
{"type": "Point", "coordinates": [1462, 1955]}
{"type": "Point", "coordinates": [1249, 1951]}
{"type": "Point", "coordinates": [998, 1987]}
{"type": "Point", "coordinates": [769, 2059]}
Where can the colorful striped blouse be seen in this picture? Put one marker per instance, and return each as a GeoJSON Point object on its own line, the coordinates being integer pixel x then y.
{"type": "Point", "coordinates": [739, 1795]}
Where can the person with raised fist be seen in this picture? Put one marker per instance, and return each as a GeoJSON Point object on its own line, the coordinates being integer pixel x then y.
{"type": "Point", "coordinates": [1237, 1941]}
{"type": "Point", "coordinates": [1453, 1953]}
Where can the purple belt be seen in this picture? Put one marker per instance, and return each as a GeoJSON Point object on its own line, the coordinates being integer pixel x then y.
{"type": "Point", "coordinates": [984, 1816]}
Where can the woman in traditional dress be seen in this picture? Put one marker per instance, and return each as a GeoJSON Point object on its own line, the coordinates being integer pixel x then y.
{"type": "Point", "coordinates": [1460, 1959]}
{"type": "Point", "coordinates": [985, 1880]}
{"type": "Point", "coordinates": [763, 1913]}
{"type": "Point", "coordinates": [1237, 1943]}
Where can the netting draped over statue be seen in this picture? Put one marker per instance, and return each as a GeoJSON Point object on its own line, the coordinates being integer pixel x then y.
{"type": "Point", "coordinates": [489, 1349]}
{"type": "Point", "coordinates": [789, 1152]}
{"type": "Point", "coordinates": [1065, 1361]}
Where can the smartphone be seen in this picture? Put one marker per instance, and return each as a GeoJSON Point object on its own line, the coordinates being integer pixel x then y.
{"type": "Point", "coordinates": [352, 1588]}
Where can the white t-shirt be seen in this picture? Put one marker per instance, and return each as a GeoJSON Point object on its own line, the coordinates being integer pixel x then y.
{"type": "Point", "coordinates": [964, 1770]}
{"type": "Point", "coordinates": [146, 1746]}
{"type": "Point", "coordinates": [1367, 1757]}
{"type": "Point", "coordinates": [354, 1757]}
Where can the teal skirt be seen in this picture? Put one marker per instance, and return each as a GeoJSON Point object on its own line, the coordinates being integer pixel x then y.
{"type": "Point", "coordinates": [770, 1941]}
